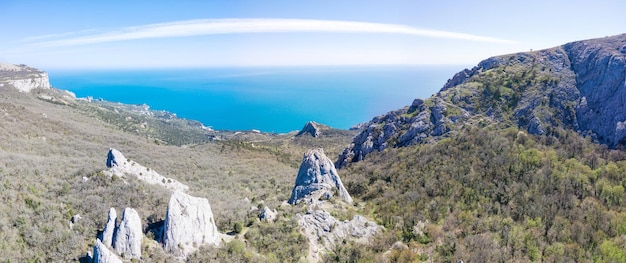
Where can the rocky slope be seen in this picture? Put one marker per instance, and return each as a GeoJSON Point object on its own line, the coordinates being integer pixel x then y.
{"type": "Point", "coordinates": [22, 77]}
{"type": "Point", "coordinates": [579, 86]}
{"type": "Point", "coordinates": [121, 166]}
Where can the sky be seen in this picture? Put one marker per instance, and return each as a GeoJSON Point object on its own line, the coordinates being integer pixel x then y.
{"type": "Point", "coordinates": [138, 34]}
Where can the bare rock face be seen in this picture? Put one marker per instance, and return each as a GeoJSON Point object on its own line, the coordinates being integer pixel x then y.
{"type": "Point", "coordinates": [101, 254]}
{"type": "Point", "coordinates": [129, 235]}
{"type": "Point", "coordinates": [109, 229]}
{"type": "Point", "coordinates": [22, 77]}
{"type": "Point", "coordinates": [317, 179]}
{"type": "Point", "coordinates": [120, 166]}
{"type": "Point", "coordinates": [312, 128]}
{"type": "Point", "coordinates": [189, 223]}
{"type": "Point", "coordinates": [324, 231]}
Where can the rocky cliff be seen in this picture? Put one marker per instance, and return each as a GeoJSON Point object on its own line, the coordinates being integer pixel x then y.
{"type": "Point", "coordinates": [579, 86]}
{"type": "Point", "coordinates": [22, 77]}
{"type": "Point", "coordinates": [317, 179]}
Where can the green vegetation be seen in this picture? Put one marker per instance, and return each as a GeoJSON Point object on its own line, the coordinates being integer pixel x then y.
{"type": "Point", "coordinates": [499, 195]}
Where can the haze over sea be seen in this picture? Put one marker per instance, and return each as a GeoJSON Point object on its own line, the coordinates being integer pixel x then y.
{"type": "Point", "coordinates": [270, 99]}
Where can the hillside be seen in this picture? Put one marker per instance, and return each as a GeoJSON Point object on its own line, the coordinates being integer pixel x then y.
{"type": "Point", "coordinates": [519, 159]}
{"type": "Point", "coordinates": [53, 148]}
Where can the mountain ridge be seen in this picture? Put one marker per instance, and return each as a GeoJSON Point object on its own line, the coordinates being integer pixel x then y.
{"type": "Point", "coordinates": [580, 85]}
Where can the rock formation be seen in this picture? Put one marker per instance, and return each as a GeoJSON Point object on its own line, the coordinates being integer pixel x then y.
{"type": "Point", "coordinates": [188, 223]}
{"type": "Point", "coordinates": [324, 231]}
{"type": "Point", "coordinates": [129, 234]}
{"type": "Point", "coordinates": [579, 86]}
{"type": "Point", "coordinates": [101, 254]}
{"type": "Point", "coordinates": [109, 228]}
{"type": "Point", "coordinates": [312, 128]}
{"type": "Point", "coordinates": [317, 179]}
{"type": "Point", "coordinates": [22, 77]}
{"type": "Point", "coordinates": [121, 167]}
{"type": "Point", "coordinates": [268, 215]}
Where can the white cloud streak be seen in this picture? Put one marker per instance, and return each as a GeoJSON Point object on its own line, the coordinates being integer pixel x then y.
{"type": "Point", "coordinates": [257, 25]}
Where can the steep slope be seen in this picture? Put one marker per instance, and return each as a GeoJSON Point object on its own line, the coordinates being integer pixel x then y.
{"type": "Point", "coordinates": [22, 77]}
{"type": "Point", "coordinates": [579, 86]}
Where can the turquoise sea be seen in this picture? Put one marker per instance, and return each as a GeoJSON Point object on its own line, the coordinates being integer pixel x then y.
{"type": "Point", "coordinates": [271, 99]}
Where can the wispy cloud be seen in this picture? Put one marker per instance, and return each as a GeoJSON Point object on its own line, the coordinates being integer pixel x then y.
{"type": "Point", "coordinates": [256, 25]}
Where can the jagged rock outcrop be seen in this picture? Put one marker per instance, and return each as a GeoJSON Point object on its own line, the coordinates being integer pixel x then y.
{"type": "Point", "coordinates": [579, 86]}
{"type": "Point", "coordinates": [121, 166]}
{"type": "Point", "coordinates": [22, 77]}
{"type": "Point", "coordinates": [129, 234]}
{"type": "Point", "coordinates": [101, 254]}
{"type": "Point", "coordinates": [422, 120]}
{"type": "Point", "coordinates": [324, 231]}
{"type": "Point", "coordinates": [312, 128]}
{"type": "Point", "coordinates": [109, 228]}
{"type": "Point", "coordinates": [268, 215]}
{"type": "Point", "coordinates": [189, 223]}
{"type": "Point", "coordinates": [317, 179]}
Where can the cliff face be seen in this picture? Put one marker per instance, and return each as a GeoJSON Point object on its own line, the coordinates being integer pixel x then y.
{"type": "Point", "coordinates": [22, 77]}
{"type": "Point", "coordinates": [579, 86]}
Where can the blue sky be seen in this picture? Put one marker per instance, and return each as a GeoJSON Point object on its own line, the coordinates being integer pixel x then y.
{"type": "Point", "coordinates": [149, 34]}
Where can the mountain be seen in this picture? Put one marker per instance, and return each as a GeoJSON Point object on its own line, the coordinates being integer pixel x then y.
{"type": "Point", "coordinates": [579, 86]}
{"type": "Point", "coordinates": [519, 159]}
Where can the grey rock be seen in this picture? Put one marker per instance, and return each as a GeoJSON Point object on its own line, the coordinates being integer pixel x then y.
{"type": "Point", "coordinates": [101, 254]}
{"type": "Point", "coordinates": [312, 128]}
{"type": "Point", "coordinates": [121, 166]}
{"type": "Point", "coordinates": [129, 235]}
{"type": "Point", "coordinates": [109, 228]}
{"type": "Point", "coordinates": [268, 215]}
{"type": "Point", "coordinates": [317, 178]}
{"type": "Point", "coordinates": [189, 223]}
{"type": "Point", "coordinates": [324, 231]}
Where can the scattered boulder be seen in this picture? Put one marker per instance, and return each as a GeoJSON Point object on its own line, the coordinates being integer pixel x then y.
{"type": "Point", "coordinates": [120, 166]}
{"type": "Point", "coordinates": [312, 128]}
{"type": "Point", "coordinates": [109, 228]}
{"type": "Point", "coordinates": [101, 254]}
{"type": "Point", "coordinates": [75, 218]}
{"type": "Point", "coordinates": [129, 234]}
{"type": "Point", "coordinates": [268, 215]}
{"type": "Point", "coordinates": [317, 179]}
{"type": "Point", "coordinates": [188, 223]}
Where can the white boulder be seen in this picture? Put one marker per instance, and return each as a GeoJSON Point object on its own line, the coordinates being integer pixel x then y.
{"type": "Point", "coordinates": [129, 235]}
{"type": "Point", "coordinates": [109, 228]}
{"type": "Point", "coordinates": [101, 254]}
{"type": "Point", "coordinates": [189, 223]}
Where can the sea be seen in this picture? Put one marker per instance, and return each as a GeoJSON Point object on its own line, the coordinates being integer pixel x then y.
{"type": "Point", "coordinates": [269, 99]}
